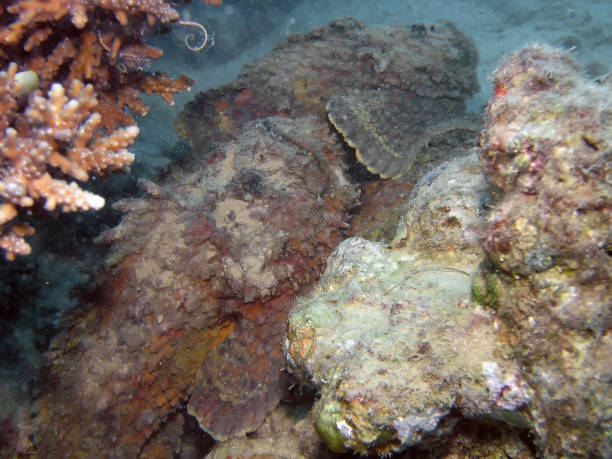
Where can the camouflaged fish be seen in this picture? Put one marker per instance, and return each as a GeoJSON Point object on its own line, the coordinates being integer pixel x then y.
{"type": "Point", "coordinates": [389, 128]}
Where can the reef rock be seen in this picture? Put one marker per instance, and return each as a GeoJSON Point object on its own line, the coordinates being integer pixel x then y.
{"type": "Point", "coordinates": [284, 434]}
{"type": "Point", "coordinates": [192, 308]}
{"type": "Point", "coordinates": [442, 217]}
{"type": "Point", "coordinates": [389, 83]}
{"type": "Point", "coordinates": [390, 337]}
{"type": "Point", "coordinates": [401, 340]}
{"type": "Point", "coordinates": [290, 434]}
{"type": "Point", "coordinates": [380, 209]}
{"type": "Point", "coordinates": [547, 146]}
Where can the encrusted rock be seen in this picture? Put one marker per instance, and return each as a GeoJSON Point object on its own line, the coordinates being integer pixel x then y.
{"type": "Point", "coordinates": [444, 213]}
{"type": "Point", "coordinates": [285, 434]}
{"type": "Point", "coordinates": [191, 308]}
{"type": "Point", "coordinates": [547, 146]}
{"type": "Point", "coordinates": [390, 337]}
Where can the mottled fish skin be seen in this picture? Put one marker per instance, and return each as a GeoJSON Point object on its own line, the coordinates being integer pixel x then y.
{"type": "Point", "coordinates": [388, 128]}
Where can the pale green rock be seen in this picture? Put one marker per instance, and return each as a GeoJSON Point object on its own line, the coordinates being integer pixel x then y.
{"type": "Point", "coordinates": [391, 338]}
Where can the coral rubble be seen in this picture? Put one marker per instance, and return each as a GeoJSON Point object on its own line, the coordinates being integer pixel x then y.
{"type": "Point", "coordinates": [547, 146]}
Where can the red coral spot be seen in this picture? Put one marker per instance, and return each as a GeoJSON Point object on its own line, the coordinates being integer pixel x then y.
{"type": "Point", "coordinates": [500, 90]}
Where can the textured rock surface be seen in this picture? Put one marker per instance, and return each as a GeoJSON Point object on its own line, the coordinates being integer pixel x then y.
{"type": "Point", "coordinates": [390, 337]}
{"type": "Point", "coordinates": [287, 434]}
{"type": "Point", "coordinates": [386, 203]}
{"type": "Point", "coordinates": [430, 65]}
{"type": "Point", "coordinates": [284, 435]}
{"type": "Point", "coordinates": [443, 215]}
{"type": "Point", "coordinates": [191, 310]}
{"type": "Point", "coordinates": [547, 145]}
{"type": "Point", "coordinates": [380, 209]}
{"type": "Point", "coordinates": [193, 306]}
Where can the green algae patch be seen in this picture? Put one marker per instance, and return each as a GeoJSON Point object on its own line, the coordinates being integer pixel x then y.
{"type": "Point", "coordinates": [485, 290]}
{"type": "Point", "coordinates": [327, 418]}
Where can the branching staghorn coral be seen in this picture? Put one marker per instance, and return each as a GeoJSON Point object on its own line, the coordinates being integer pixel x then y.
{"type": "Point", "coordinates": [59, 132]}
{"type": "Point", "coordinates": [97, 42]}
{"type": "Point", "coordinates": [87, 62]}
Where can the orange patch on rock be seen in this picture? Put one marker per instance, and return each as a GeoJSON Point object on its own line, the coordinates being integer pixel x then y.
{"type": "Point", "coordinates": [157, 342]}
{"type": "Point", "coordinates": [222, 105]}
{"type": "Point", "coordinates": [132, 439]}
{"type": "Point", "coordinates": [244, 96]}
{"type": "Point", "coordinates": [254, 309]}
{"type": "Point", "coordinates": [500, 90]}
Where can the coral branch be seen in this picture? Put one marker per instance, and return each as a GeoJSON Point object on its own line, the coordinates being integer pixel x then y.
{"type": "Point", "coordinates": [95, 41]}
{"type": "Point", "coordinates": [87, 62]}
{"type": "Point", "coordinates": [56, 132]}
